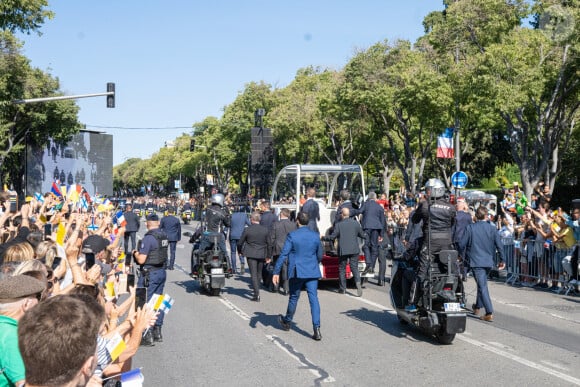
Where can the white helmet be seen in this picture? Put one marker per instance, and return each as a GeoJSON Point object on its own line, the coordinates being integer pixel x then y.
{"type": "Point", "coordinates": [435, 188]}
{"type": "Point", "coordinates": [218, 199]}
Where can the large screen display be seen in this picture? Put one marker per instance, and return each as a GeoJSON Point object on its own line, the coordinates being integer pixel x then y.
{"type": "Point", "coordinates": [86, 160]}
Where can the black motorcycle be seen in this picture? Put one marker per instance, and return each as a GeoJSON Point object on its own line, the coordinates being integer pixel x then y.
{"type": "Point", "coordinates": [212, 266]}
{"type": "Point", "coordinates": [441, 309]}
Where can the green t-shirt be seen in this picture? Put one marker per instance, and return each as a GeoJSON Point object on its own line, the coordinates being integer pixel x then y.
{"type": "Point", "coordinates": [11, 364]}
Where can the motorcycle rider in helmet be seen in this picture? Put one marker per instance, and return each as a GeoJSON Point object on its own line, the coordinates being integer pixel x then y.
{"type": "Point", "coordinates": [438, 217]}
{"type": "Point", "coordinates": [217, 217]}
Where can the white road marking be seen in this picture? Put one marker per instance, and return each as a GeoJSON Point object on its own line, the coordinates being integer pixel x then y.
{"type": "Point", "coordinates": [554, 365]}
{"type": "Point", "coordinates": [322, 377]}
{"type": "Point", "coordinates": [527, 308]}
{"type": "Point", "coordinates": [500, 345]}
{"type": "Point", "coordinates": [529, 363]}
{"type": "Point", "coordinates": [302, 361]}
{"type": "Point", "coordinates": [235, 309]}
{"type": "Point", "coordinates": [462, 337]}
{"type": "Point", "coordinates": [497, 351]}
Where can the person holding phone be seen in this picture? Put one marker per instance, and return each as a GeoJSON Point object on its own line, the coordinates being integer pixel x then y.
{"type": "Point", "coordinates": [23, 230]}
{"type": "Point", "coordinates": [152, 258]}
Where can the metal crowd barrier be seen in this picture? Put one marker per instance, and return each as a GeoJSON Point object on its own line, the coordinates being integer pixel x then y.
{"type": "Point", "coordinates": [534, 262]}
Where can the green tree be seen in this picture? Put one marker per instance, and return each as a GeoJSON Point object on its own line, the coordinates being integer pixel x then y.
{"type": "Point", "coordinates": [406, 99]}
{"type": "Point", "coordinates": [23, 15]}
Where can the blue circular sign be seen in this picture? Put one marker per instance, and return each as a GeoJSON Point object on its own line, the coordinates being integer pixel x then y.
{"type": "Point", "coordinates": [459, 180]}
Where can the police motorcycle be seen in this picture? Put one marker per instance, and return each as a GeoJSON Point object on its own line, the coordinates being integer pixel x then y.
{"type": "Point", "coordinates": [186, 216]}
{"type": "Point", "coordinates": [150, 209]}
{"type": "Point", "coordinates": [212, 266]}
{"type": "Point", "coordinates": [440, 310]}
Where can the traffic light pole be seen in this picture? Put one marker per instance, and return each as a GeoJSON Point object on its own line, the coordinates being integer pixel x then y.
{"type": "Point", "coordinates": [110, 93]}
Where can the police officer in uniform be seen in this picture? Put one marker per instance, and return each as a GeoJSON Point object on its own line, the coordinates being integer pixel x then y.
{"type": "Point", "coordinates": [217, 219]}
{"type": "Point", "coordinates": [152, 258]}
{"type": "Point", "coordinates": [438, 217]}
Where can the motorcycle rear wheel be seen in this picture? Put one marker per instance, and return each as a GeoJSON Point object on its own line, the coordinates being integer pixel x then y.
{"type": "Point", "coordinates": [445, 338]}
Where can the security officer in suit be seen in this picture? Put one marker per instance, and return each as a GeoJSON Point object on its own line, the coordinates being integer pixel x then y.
{"type": "Point", "coordinates": [303, 252]}
{"type": "Point", "coordinates": [152, 258]}
{"type": "Point", "coordinates": [171, 226]}
{"type": "Point", "coordinates": [478, 245]}
{"type": "Point", "coordinates": [267, 218]}
{"type": "Point", "coordinates": [278, 234]}
{"type": "Point", "coordinates": [348, 231]}
{"type": "Point", "coordinates": [239, 222]}
{"type": "Point", "coordinates": [255, 245]}
{"type": "Point", "coordinates": [311, 208]}
{"type": "Point", "coordinates": [373, 224]}
{"type": "Point", "coordinates": [133, 223]}
{"type": "Point", "coordinates": [345, 202]}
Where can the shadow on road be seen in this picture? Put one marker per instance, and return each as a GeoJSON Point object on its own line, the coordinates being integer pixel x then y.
{"type": "Point", "coordinates": [390, 324]}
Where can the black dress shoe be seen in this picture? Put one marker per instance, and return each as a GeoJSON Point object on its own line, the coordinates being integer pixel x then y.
{"type": "Point", "coordinates": [256, 298]}
{"type": "Point", "coordinates": [381, 283]}
{"type": "Point", "coordinates": [285, 325]}
{"type": "Point", "coordinates": [157, 336]}
{"type": "Point", "coordinates": [317, 335]}
{"type": "Point", "coordinates": [283, 292]}
{"type": "Point", "coordinates": [341, 291]}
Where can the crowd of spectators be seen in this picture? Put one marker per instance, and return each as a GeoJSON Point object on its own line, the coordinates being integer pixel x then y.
{"type": "Point", "coordinates": [536, 235]}
{"type": "Point", "coordinates": [65, 320]}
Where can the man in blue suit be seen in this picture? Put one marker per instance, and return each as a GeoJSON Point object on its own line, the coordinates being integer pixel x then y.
{"type": "Point", "coordinates": [171, 226]}
{"type": "Point", "coordinates": [239, 222]}
{"type": "Point", "coordinates": [478, 245]}
{"type": "Point", "coordinates": [303, 251]}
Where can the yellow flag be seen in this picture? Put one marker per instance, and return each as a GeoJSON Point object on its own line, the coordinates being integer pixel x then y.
{"type": "Point", "coordinates": [110, 289]}
{"type": "Point", "coordinates": [158, 302]}
{"type": "Point", "coordinates": [116, 346]}
{"type": "Point", "coordinates": [60, 233]}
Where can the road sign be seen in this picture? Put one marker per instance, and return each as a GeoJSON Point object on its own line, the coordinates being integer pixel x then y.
{"type": "Point", "coordinates": [459, 179]}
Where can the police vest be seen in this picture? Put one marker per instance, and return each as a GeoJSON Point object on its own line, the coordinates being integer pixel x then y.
{"type": "Point", "coordinates": [158, 256]}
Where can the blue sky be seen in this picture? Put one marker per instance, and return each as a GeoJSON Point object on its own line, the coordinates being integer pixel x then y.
{"type": "Point", "coordinates": [176, 62]}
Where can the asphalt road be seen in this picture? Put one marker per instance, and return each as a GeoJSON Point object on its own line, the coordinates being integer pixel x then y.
{"type": "Point", "coordinates": [232, 341]}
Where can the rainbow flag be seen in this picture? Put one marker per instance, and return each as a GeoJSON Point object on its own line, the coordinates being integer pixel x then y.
{"type": "Point", "coordinates": [55, 190]}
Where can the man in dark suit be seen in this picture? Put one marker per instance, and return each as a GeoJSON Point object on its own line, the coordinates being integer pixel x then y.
{"type": "Point", "coordinates": [171, 226]}
{"type": "Point", "coordinates": [479, 244]}
{"type": "Point", "coordinates": [278, 234]}
{"type": "Point", "coordinates": [239, 222]}
{"type": "Point", "coordinates": [267, 218]}
{"type": "Point", "coordinates": [303, 252]}
{"type": "Point", "coordinates": [344, 203]}
{"type": "Point", "coordinates": [311, 208]}
{"type": "Point", "coordinates": [348, 231]}
{"type": "Point", "coordinates": [373, 224]}
{"type": "Point", "coordinates": [255, 245]}
{"type": "Point", "coordinates": [133, 224]}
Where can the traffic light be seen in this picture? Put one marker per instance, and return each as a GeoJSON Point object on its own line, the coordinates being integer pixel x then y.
{"type": "Point", "coordinates": [192, 146]}
{"type": "Point", "coordinates": [111, 97]}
